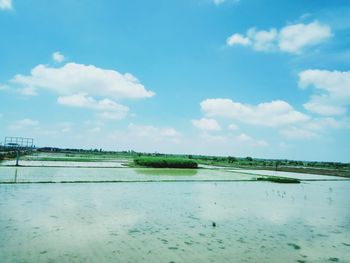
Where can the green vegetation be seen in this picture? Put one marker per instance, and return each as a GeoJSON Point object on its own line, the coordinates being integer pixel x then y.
{"type": "Point", "coordinates": [165, 162]}
{"type": "Point", "coordinates": [276, 179]}
{"type": "Point", "coordinates": [98, 155]}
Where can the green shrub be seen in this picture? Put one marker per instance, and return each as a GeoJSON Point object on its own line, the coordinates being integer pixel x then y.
{"type": "Point", "coordinates": [163, 162]}
{"type": "Point", "coordinates": [282, 180]}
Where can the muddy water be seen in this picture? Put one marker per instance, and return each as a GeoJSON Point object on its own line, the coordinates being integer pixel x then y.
{"type": "Point", "coordinates": [173, 222]}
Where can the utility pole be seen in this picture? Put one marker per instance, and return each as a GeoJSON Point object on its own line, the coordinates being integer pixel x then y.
{"type": "Point", "coordinates": [17, 156]}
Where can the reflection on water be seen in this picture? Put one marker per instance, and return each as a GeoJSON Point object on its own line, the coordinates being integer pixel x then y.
{"type": "Point", "coordinates": [64, 174]}
{"type": "Point", "coordinates": [167, 172]}
{"type": "Point", "coordinates": [35, 163]}
{"type": "Point", "coordinates": [301, 176]}
{"type": "Point", "coordinates": [173, 222]}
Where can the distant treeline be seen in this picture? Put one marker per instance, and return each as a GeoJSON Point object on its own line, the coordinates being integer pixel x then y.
{"type": "Point", "coordinates": [211, 160]}
{"type": "Point", "coordinates": [7, 155]}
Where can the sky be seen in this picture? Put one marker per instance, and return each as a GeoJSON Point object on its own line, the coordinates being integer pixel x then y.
{"type": "Point", "coordinates": [260, 78]}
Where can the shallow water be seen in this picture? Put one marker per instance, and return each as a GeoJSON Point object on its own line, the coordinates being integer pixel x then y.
{"type": "Point", "coordinates": [301, 176]}
{"type": "Point", "coordinates": [172, 222]}
{"type": "Point", "coordinates": [64, 163]}
{"type": "Point", "coordinates": [64, 174]}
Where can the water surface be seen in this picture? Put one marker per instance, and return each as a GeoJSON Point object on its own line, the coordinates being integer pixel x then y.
{"type": "Point", "coordinates": [173, 222]}
{"type": "Point", "coordinates": [66, 174]}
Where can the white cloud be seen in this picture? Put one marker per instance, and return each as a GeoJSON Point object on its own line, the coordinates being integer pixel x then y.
{"type": "Point", "coordinates": [294, 38]}
{"type": "Point", "coordinates": [272, 114]}
{"type": "Point", "coordinates": [114, 115]}
{"type": "Point", "coordinates": [155, 133]}
{"type": "Point", "coordinates": [24, 123]}
{"type": "Point", "coordinates": [206, 124]}
{"type": "Point", "coordinates": [6, 4]}
{"type": "Point", "coordinates": [297, 133]}
{"type": "Point", "coordinates": [233, 127]}
{"type": "Point", "coordinates": [319, 124]}
{"type": "Point", "coordinates": [74, 78]}
{"type": "Point", "coordinates": [237, 140]}
{"type": "Point", "coordinates": [244, 138]}
{"type": "Point", "coordinates": [95, 129]}
{"type": "Point", "coordinates": [237, 39]}
{"type": "Point", "coordinates": [58, 57]}
{"type": "Point", "coordinates": [291, 38]}
{"type": "Point", "coordinates": [4, 87]}
{"type": "Point", "coordinates": [263, 40]}
{"type": "Point", "coordinates": [27, 91]}
{"type": "Point", "coordinates": [333, 91]}
{"type": "Point", "coordinates": [318, 105]}
{"type": "Point", "coordinates": [110, 109]}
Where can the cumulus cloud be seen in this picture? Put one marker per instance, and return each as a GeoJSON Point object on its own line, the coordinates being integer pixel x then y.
{"type": "Point", "coordinates": [291, 38]}
{"type": "Point", "coordinates": [333, 91]}
{"type": "Point", "coordinates": [233, 127]}
{"type": "Point", "coordinates": [297, 133]}
{"type": "Point", "coordinates": [74, 78]}
{"type": "Point", "coordinates": [155, 133]}
{"type": "Point", "coordinates": [236, 140]}
{"type": "Point", "coordinates": [109, 108]}
{"type": "Point", "coordinates": [24, 124]}
{"type": "Point", "coordinates": [262, 40]}
{"type": "Point", "coordinates": [58, 57]}
{"type": "Point", "coordinates": [27, 91]}
{"type": "Point", "coordinates": [294, 38]}
{"type": "Point", "coordinates": [318, 124]}
{"type": "Point", "coordinates": [4, 87]}
{"type": "Point", "coordinates": [244, 138]}
{"type": "Point", "coordinates": [6, 4]}
{"type": "Point", "coordinates": [237, 39]}
{"type": "Point", "coordinates": [206, 124]}
{"type": "Point", "coordinates": [272, 114]}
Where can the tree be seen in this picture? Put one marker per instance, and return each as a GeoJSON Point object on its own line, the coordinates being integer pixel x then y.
{"type": "Point", "coordinates": [231, 159]}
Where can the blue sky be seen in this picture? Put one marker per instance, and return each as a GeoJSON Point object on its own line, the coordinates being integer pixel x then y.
{"type": "Point", "coordinates": [268, 79]}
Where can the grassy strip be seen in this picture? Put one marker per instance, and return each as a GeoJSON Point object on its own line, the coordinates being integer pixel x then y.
{"type": "Point", "coordinates": [282, 180]}
{"type": "Point", "coordinates": [161, 162]}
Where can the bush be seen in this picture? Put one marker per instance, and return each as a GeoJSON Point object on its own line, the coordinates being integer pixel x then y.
{"type": "Point", "coordinates": [282, 180]}
{"type": "Point", "coordinates": [162, 162]}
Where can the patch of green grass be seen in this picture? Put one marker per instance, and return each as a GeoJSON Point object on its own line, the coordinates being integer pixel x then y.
{"type": "Point", "coordinates": [276, 179]}
{"type": "Point", "coordinates": [165, 162]}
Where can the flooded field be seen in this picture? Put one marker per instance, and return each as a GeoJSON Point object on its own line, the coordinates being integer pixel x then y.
{"type": "Point", "coordinates": [301, 176]}
{"type": "Point", "coordinates": [64, 174]}
{"type": "Point", "coordinates": [36, 163]}
{"type": "Point", "coordinates": [173, 222]}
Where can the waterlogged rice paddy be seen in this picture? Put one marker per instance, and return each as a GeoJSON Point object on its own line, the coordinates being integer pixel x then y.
{"type": "Point", "coordinates": [96, 211]}
{"type": "Point", "coordinates": [58, 174]}
{"type": "Point", "coordinates": [301, 176]}
{"type": "Point", "coordinates": [173, 222]}
{"type": "Point", "coordinates": [38, 163]}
